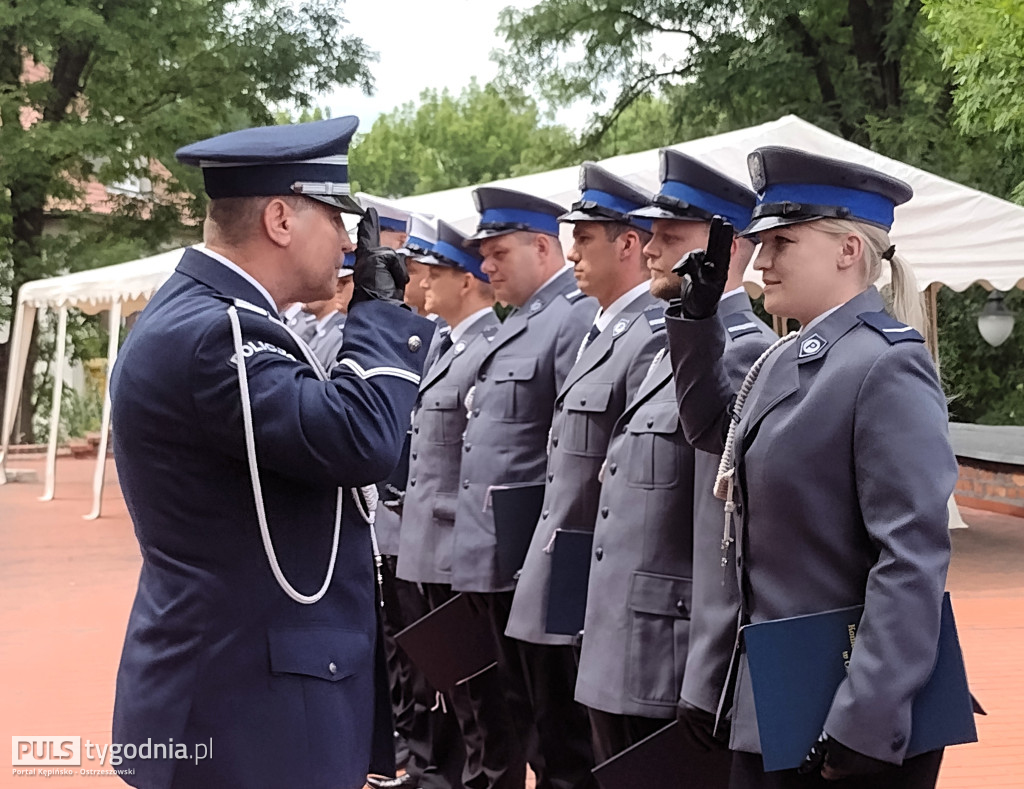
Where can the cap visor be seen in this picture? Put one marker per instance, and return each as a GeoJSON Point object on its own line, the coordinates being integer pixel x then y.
{"type": "Point", "coordinates": [488, 232]}
{"type": "Point", "coordinates": [657, 212]}
{"type": "Point", "coordinates": [583, 216]}
{"type": "Point", "coordinates": [763, 223]}
{"type": "Point", "coordinates": [343, 202]}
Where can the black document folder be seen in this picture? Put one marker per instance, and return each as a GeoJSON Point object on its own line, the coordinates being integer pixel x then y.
{"type": "Point", "coordinates": [516, 512]}
{"type": "Point", "coordinates": [570, 574]}
{"type": "Point", "coordinates": [797, 664]}
{"type": "Point", "coordinates": [451, 644]}
{"type": "Point", "coordinates": [667, 758]}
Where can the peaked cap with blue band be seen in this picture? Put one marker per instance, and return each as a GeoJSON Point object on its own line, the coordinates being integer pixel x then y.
{"type": "Point", "coordinates": [391, 217]}
{"type": "Point", "coordinates": [421, 235]}
{"type": "Point", "coordinates": [308, 159]}
{"type": "Point", "coordinates": [795, 186]}
{"type": "Point", "coordinates": [607, 198]}
{"type": "Point", "coordinates": [451, 251]}
{"type": "Point", "coordinates": [508, 211]}
{"type": "Point", "coordinates": [692, 191]}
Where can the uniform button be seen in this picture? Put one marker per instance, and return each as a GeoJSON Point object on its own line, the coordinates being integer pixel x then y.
{"type": "Point", "coordinates": [416, 430]}
{"type": "Point", "coordinates": [415, 343]}
{"type": "Point", "coordinates": [483, 376]}
{"type": "Point", "coordinates": [583, 401]}
{"type": "Point", "coordinates": [613, 468]}
{"type": "Point", "coordinates": [625, 429]}
{"type": "Point", "coordinates": [558, 406]}
{"type": "Point", "coordinates": [545, 514]}
{"type": "Point", "coordinates": [680, 606]}
{"type": "Point", "coordinates": [604, 512]}
{"type": "Point", "coordinates": [650, 423]}
{"type": "Point", "coordinates": [414, 455]}
{"type": "Point", "coordinates": [551, 475]}
{"type": "Point", "coordinates": [332, 667]}
{"type": "Point", "coordinates": [412, 482]}
{"type": "Point", "coordinates": [598, 553]}
{"type": "Point", "coordinates": [511, 373]}
{"type": "Point", "coordinates": [465, 484]}
{"type": "Point", "coordinates": [476, 412]}
{"type": "Point", "coordinates": [554, 441]}
{"type": "Point", "coordinates": [467, 447]}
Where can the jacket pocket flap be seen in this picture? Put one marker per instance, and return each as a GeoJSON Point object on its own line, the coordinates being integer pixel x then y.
{"type": "Point", "coordinates": [591, 398]}
{"type": "Point", "coordinates": [662, 595]}
{"type": "Point", "coordinates": [665, 421]}
{"type": "Point", "coordinates": [441, 398]}
{"type": "Point", "coordinates": [444, 508]}
{"type": "Point", "coordinates": [326, 653]}
{"type": "Point", "coordinates": [514, 369]}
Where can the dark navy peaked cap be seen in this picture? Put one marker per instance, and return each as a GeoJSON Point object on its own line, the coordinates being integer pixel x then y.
{"type": "Point", "coordinates": [607, 198]}
{"type": "Point", "coordinates": [507, 211]}
{"type": "Point", "coordinates": [309, 159]}
{"type": "Point", "coordinates": [693, 191]}
{"type": "Point", "coordinates": [451, 250]}
{"type": "Point", "coordinates": [795, 186]}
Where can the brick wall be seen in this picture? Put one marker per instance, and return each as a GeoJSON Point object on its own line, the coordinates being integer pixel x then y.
{"type": "Point", "coordinates": [998, 487]}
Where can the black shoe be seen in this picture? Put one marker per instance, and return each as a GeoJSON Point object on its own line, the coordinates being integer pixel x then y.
{"type": "Point", "coordinates": [401, 782]}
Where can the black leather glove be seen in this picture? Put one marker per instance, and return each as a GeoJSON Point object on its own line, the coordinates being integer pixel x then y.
{"type": "Point", "coordinates": [379, 272]}
{"type": "Point", "coordinates": [701, 726]}
{"type": "Point", "coordinates": [704, 272]}
{"type": "Point", "coordinates": [834, 761]}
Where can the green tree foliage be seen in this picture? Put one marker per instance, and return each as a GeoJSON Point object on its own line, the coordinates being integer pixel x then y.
{"type": "Point", "coordinates": [983, 44]}
{"type": "Point", "coordinates": [984, 384]}
{"type": "Point", "coordinates": [125, 84]}
{"type": "Point", "coordinates": [445, 141]}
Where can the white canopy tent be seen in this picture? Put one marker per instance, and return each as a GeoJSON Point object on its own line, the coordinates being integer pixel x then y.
{"type": "Point", "coordinates": [951, 234]}
{"type": "Point", "coordinates": [121, 289]}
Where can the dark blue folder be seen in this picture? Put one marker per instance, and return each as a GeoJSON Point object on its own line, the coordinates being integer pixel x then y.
{"type": "Point", "coordinates": [570, 575]}
{"type": "Point", "coordinates": [516, 512]}
{"type": "Point", "coordinates": [797, 664]}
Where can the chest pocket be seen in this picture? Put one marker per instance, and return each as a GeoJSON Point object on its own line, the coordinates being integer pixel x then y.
{"type": "Point", "coordinates": [586, 424]}
{"type": "Point", "coordinates": [654, 446]}
{"type": "Point", "coordinates": [444, 415]}
{"type": "Point", "coordinates": [512, 381]}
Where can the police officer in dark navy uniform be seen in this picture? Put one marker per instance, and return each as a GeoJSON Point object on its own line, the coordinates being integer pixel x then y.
{"type": "Point", "coordinates": [243, 464]}
{"type": "Point", "coordinates": [839, 462]}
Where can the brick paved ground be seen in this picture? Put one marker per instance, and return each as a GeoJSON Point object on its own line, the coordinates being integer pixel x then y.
{"type": "Point", "coordinates": [66, 586]}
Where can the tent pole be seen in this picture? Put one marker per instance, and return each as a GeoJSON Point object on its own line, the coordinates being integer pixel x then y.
{"type": "Point", "coordinates": [19, 340]}
{"type": "Point", "coordinates": [931, 307]}
{"type": "Point", "coordinates": [114, 321]}
{"type": "Point", "coordinates": [59, 353]}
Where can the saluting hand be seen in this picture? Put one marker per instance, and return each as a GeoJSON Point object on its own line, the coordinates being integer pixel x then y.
{"type": "Point", "coordinates": [379, 272]}
{"type": "Point", "coordinates": [705, 272]}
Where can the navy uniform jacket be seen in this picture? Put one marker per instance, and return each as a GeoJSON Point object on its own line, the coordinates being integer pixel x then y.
{"type": "Point", "coordinates": [844, 472]}
{"type": "Point", "coordinates": [435, 456]}
{"type": "Point", "coordinates": [636, 632]}
{"type": "Point", "coordinates": [512, 404]}
{"type": "Point", "coordinates": [591, 400]}
{"type": "Point", "coordinates": [716, 601]}
{"type": "Point", "coordinates": [215, 650]}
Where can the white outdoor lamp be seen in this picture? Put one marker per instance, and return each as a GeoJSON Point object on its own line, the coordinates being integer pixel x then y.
{"type": "Point", "coordinates": [995, 322]}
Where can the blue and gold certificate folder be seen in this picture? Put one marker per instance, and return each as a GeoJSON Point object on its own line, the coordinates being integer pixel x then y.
{"type": "Point", "coordinates": [796, 667]}
{"type": "Point", "coordinates": [451, 644]}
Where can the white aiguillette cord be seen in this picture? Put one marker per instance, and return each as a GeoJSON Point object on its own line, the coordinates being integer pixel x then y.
{"type": "Point", "coordinates": [257, 491]}
{"type": "Point", "coordinates": [725, 479]}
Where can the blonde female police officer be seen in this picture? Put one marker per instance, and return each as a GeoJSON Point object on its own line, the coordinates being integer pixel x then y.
{"type": "Point", "coordinates": [843, 464]}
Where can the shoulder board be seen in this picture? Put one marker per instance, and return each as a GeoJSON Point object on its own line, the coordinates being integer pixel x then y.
{"type": "Point", "coordinates": [574, 295]}
{"type": "Point", "coordinates": [655, 315]}
{"type": "Point", "coordinates": [890, 328]}
{"type": "Point", "coordinates": [242, 304]}
{"type": "Point", "coordinates": [739, 324]}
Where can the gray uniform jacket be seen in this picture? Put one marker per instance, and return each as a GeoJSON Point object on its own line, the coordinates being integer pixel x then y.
{"type": "Point", "coordinates": [326, 340]}
{"type": "Point", "coordinates": [638, 604]}
{"type": "Point", "coordinates": [435, 454]}
{"type": "Point", "coordinates": [388, 522]}
{"type": "Point", "coordinates": [844, 470]}
{"type": "Point", "coordinates": [716, 601]}
{"type": "Point", "coordinates": [512, 404]}
{"type": "Point", "coordinates": [591, 400]}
